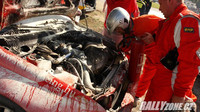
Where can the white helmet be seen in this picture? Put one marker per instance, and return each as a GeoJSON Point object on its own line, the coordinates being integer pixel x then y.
{"type": "Point", "coordinates": [118, 17]}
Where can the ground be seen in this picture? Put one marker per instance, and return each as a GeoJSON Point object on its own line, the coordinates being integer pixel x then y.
{"type": "Point", "coordinates": [95, 20]}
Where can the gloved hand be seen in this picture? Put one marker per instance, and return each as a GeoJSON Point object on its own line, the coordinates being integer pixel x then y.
{"type": "Point", "coordinates": [147, 38]}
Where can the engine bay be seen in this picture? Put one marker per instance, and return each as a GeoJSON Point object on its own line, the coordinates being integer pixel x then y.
{"type": "Point", "coordinates": [57, 45]}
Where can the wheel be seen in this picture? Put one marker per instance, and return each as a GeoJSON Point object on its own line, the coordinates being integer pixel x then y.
{"type": "Point", "coordinates": [6, 105]}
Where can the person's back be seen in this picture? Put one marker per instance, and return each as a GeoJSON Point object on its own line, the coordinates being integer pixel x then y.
{"type": "Point", "coordinates": [129, 5]}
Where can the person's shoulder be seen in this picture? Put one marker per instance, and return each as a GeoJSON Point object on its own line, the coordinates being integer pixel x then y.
{"type": "Point", "coordinates": [190, 17]}
{"type": "Point", "coordinates": [189, 13]}
{"type": "Point", "coordinates": [186, 15]}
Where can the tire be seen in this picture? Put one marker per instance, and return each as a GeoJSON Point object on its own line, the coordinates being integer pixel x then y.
{"type": "Point", "coordinates": [9, 106]}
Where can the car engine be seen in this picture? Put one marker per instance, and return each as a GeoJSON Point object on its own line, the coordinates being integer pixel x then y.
{"type": "Point", "coordinates": [56, 44]}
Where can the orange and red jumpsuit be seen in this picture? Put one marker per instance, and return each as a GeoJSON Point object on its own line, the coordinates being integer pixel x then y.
{"type": "Point", "coordinates": [180, 30]}
{"type": "Point", "coordinates": [141, 24]}
{"type": "Point", "coordinates": [149, 68]}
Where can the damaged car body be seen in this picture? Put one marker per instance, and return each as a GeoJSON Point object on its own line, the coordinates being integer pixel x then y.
{"type": "Point", "coordinates": [49, 63]}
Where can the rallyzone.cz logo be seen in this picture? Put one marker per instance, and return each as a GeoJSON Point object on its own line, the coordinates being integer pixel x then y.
{"type": "Point", "coordinates": [163, 105]}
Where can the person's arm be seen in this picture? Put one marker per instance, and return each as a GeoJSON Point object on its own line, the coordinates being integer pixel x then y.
{"type": "Point", "coordinates": [147, 38]}
{"type": "Point", "coordinates": [150, 45]}
{"type": "Point", "coordinates": [187, 41]}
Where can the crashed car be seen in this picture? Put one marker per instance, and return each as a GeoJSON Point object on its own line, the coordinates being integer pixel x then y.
{"type": "Point", "coordinates": [49, 63]}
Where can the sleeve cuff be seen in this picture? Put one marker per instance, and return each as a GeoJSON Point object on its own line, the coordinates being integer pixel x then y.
{"type": "Point", "coordinates": [179, 93]}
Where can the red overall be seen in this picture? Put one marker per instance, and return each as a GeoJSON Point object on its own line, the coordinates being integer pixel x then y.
{"type": "Point", "coordinates": [149, 68]}
{"type": "Point", "coordinates": [141, 24]}
{"type": "Point", "coordinates": [182, 32]}
{"type": "Point", "coordinates": [150, 24]}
